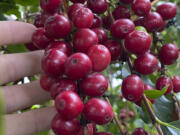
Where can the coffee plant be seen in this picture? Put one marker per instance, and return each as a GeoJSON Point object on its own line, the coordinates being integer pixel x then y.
{"type": "Point", "coordinates": [110, 66]}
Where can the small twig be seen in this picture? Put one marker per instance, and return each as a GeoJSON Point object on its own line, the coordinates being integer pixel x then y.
{"type": "Point", "coordinates": [109, 12]}
{"type": "Point", "coordinates": [176, 104]}
{"type": "Point", "coordinates": [154, 2]}
{"type": "Point", "coordinates": [66, 6]}
{"type": "Point", "coordinates": [152, 115]}
{"type": "Point", "coordinates": [116, 120]}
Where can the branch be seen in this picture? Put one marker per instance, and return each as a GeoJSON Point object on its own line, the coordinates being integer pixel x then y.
{"type": "Point", "coordinates": [152, 115]}
{"type": "Point", "coordinates": [66, 7]}
{"type": "Point", "coordinates": [176, 104]}
{"type": "Point", "coordinates": [116, 120]}
{"type": "Point", "coordinates": [154, 2]}
{"type": "Point", "coordinates": [109, 12]}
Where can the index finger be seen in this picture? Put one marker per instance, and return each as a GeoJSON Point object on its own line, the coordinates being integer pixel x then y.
{"type": "Point", "coordinates": [14, 32]}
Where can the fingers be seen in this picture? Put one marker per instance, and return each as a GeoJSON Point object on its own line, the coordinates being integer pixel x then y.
{"type": "Point", "coordinates": [19, 97]}
{"type": "Point", "coordinates": [12, 32]}
{"type": "Point", "coordinates": [29, 123]}
{"type": "Point", "coordinates": [16, 66]}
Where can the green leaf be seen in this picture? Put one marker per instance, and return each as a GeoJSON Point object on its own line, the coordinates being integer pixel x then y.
{"type": "Point", "coordinates": [172, 130]}
{"type": "Point", "coordinates": [16, 48]}
{"type": "Point", "coordinates": [140, 28]}
{"type": "Point", "coordinates": [154, 94]}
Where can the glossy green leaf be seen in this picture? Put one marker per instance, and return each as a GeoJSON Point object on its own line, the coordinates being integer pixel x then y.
{"type": "Point", "coordinates": [154, 94]}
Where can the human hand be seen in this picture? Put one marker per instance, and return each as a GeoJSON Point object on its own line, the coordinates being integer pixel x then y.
{"type": "Point", "coordinates": [14, 67]}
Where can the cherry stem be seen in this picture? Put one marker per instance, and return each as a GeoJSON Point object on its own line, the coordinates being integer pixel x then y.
{"type": "Point", "coordinates": [154, 2]}
{"type": "Point", "coordinates": [109, 12]}
{"type": "Point", "coordinates": [152, 115]}
{"type": "Point", "coordinates": [66, 6]}
{"type": "Point", "coordinates": [176, 104]}
{"type": "Point", "coordinates": [116, 119]}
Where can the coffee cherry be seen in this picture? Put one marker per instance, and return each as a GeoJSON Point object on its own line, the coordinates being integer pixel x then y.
{"type": "Point", "coordinates": [78, 66]}
{"type": "Point", "coordinates": [58, 26]}
{"type": "Point", "coordinates": [168, 54]}
{"type": "Point", "coordinates": [83, 18]}
{"type": "Point", "coordinates": [61, 46]}
{"type": "Point", "coordinates": [69, 105]}
{"type": "Point", "coordinates": [149, 87]}
{"type": "Point", "coordinates": [38, 21]}
{"type": "Point", "coordinates": [97, 6]}
{"type": "Point", "coordinates": [53, 62]}
{"type": "Point", "coordinates": [40, 39]}
{"type": "Point", "coordinates": [78, 1]}
{"type": "Point", "coordinates": [146, 64]}
{"type": "Point", "coordinates": [153, 22]}
{"type": "Point", "coordinates": [31, 47]}
{"type": "Point", "coordinates": [138, 42]}
{"type": "Point", "coordinates": [131, 114]}
{"type": "Point", "coordinates": [95, 84]}
{"type": "Point", "coordinates": [121, 12]}
{"type": "Point", "coordinates": [62, 84]}
{"type": "Point", "coordinates": [162, 82]}
{"type": "Point", "coordinates": [167, 10]}
{"type": "Point", "coordinates": [84, 39]}
{"type": "Point", "coordinates": [115, 49]}
{"type": "Point", "coordinates": [98, 111]}
{"type": "Point", "coordinates": [176, 84]}
{"type": "Point", "coordinates": [139, 131]}
{"type": "Point", "coordinates": [73, 9]}
{"type": "Point", "coordinates": [97, 21]}
{"type": "Point", "coordinates": [46, 15]}
{"type": "Point", "coordinates": [46, 82]}
{"type": "Point", "coordinates": [141, 7]}
{"type": "Point", "coordinates": [102, 35]}
{"type": "Point", "coordinates": [132, 88]}
{"type": "Point", "coordinates": [123, 116]}
{"type": "Point", "coordinates": [103, 133]}
{"type": "Point", "coordinates": [50, 5]}
{"type": "Point", "coordinates": [107, 22]}
{"type": "Point", "coordinates": [64, 127]}
{"type": "Point", "coordinates": [100, 57]}
{"type": "Point", "coordinates": [88, 129]}
{"type": "Point", "coordinates": [139, 21]}
{"type": "Point", "coordinates": [126, 1]}
{"type": "Point", "coordinates": [121, 28]}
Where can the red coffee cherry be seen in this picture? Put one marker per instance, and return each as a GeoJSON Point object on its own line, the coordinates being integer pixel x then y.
{"type": "Point", "coordinates": [84, 39]}
{"type": "Point", "coordinates": [77, 66]}
{"type": "Point", "coordinates": [153, 22]}
{"type": "Point", "coordinates": [121, 28]}
{"type": "Point", "coordinates": [132, 88]}
{"type": "Point", "coordinates": [50, 5]}
{"type": "Point", "coordinates": [69, 105]}
{"type": "Point", "coordinates": [102, 35]}
{"type": "Point", "coordinates": [115, 49]}
{"type": "Point", "coordinates": [97, 21]}
{"type": "Point", "coordinates": [97, 6]}
{"type": "Point", "coordinates": [168, 54]}
{"type": "Point", "coordinates": [95, 84]}
{"type": "Point", "coordinates": [139, 21]}
{"type": "Point", "coordinates": [31, 47]}
{"type": "Point", "coordinates": [46, 82]}
{"type": "Point", "coordinates": [139, 131]}
{"type": "Point", "coordinates": [138, 42]}
{"type": "Point", "coordinates": [83, 18]}
{"type": "Point", "coordinates": [58, 26]}
{"type": "Point", "coordinates": [73, 9]}
{"type": "Point", "coordinates": [126, 1]}
{"type": "Point", "coordinates": [100, 57]}
{"type": "Point", "coordinates": [53, 62]}
{"type": "Point", "coordinates": [131, 114]}
{"type": "Point", "coordinates": [98, 111]}
{"type": "Point", "coordinates": [141, 7]}
{"type": "Point", "coordinates": [38, 21]}
{"type": "Point", "coordinates": [176, 84]}
{"type": "Point", "coordinates": [62, 84]}
{"type": "Point", "coordinates": [107, 22]}
{"type": "Point", "coordinates": [61, 46]}
{"type": "Point", "coordinates": [162, 82]}
{"type": "Point", "coordinates": [45, 15]}
{"type": "Point", "coordinates": [121, 12]}
{"type": "Point", "coordinates": [64, 127]}
{"type": "Point", "coordinates": [146, 64]}
{"type": "Point", "coordinates": [167, 10]}
{"type": "Point", "coordinates": [40, 39]}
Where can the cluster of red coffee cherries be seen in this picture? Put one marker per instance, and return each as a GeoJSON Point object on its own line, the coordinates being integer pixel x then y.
{"type": "Point", "coordinates": [78, 48]}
